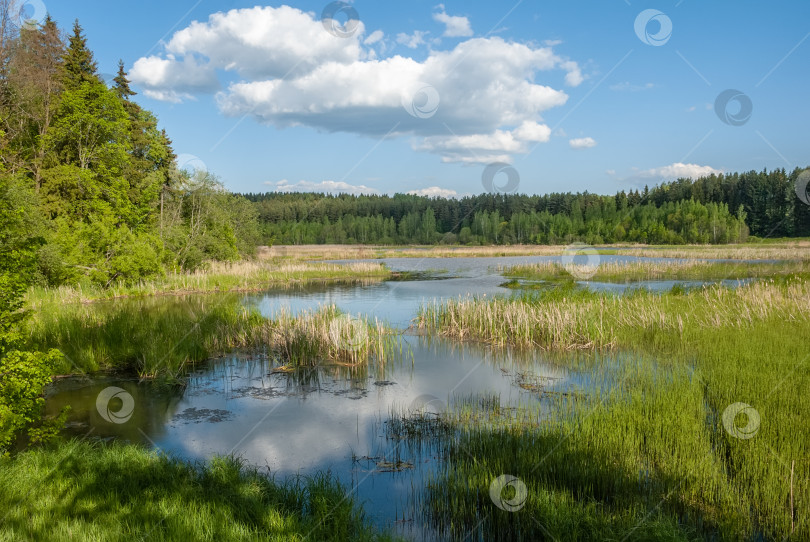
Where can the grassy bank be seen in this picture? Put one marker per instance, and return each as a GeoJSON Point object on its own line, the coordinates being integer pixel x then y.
{"type": "Point", "coordinates": [158, 337]}
{"type": "Point", "coordinates": [781, 249]}
{"type": "Point", "coordinates": [219, 277]}
{"type": "Point", "coordinates": [82, 491]}
{"type": "Point", "coordinates": [647, 454]}
{"type": "Point", "coordinates": [670, 270]}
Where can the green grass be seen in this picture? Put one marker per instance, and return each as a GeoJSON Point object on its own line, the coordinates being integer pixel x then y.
{"type": "Point", "coordinates": [81, 491]}
{"type": "Point", "coordinates": [645, 455]}
{"type": "Point", "coordinates": [246, 276]}
{"type": "Point", "coordinates": [159, 337]}
{"type": "Point", "coordinates": [673, 270]}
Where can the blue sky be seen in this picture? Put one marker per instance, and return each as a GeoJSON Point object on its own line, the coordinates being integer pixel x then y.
{"type": "Point", "coordinates": [421, 96]}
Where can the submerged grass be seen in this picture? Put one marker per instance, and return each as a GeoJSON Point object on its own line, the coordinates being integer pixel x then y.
{"type": "Point", "coordinates": [647, 455]}
{"type": "Point", "coordinates": [671, 270]}
{"type": "Point", "coordinates": [159, 337]}
{"type": "Point", "coordinates": [82, 491]}
{"type": "Point", "coordinates": [242, 276]}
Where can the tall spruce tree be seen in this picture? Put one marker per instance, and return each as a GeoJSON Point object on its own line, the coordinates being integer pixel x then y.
{"type": "Point", "coordinates": [122, 88]}
{"type": "Point", "coordinates": [79, 64]}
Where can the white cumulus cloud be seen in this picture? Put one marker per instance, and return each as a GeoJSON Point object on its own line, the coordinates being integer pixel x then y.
{"type": "Point", "coordinates": [290, 71]}
{"type": "Point", "coordinates": [434, 192]}
{"type": "Point", "coordinates": [454, 25]}
{"type": "Point", "coordinates": [582, 142]}
{"type": "Point", "coordinates": [330, 187]}
{"type": "Point", "coordinates": [679, 170]}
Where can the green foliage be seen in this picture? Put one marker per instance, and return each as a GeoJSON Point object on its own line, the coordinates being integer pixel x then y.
{"type": "Point", "coordinates": [94, 492]}
{"type": "Point", "coordinates": [79, 65]}
{"type": "Point", "coordinates": [23, 375]}
{"type": "Point", "coordinates": [113, 207]}
{"type": "Point", "coordinates": [493, 219]}
{"type": "Point", "coordinates": [202, 222]}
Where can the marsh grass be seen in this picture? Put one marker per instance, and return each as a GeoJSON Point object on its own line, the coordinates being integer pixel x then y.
{"type": "Point", "coordinates": [622, 272]}
{"type": "Point", "coordinates": [245, 276]}
{"type": "Point", "coordinates": [82, 491]}
{"type": "Point", "coordinates": [159, 337]}
{"type": "Point", "coordinates": [645, 454]}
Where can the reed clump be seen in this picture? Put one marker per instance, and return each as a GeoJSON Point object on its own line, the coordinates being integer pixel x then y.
{"type": "Point", "coordinates": [159, 337]}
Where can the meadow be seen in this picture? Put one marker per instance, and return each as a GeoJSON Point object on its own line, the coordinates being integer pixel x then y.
{"type": "Point", "coordinates": [243, 276]}
{"type": "Point", "coordinates": [659, 448]}
{"type": "Point", "coordinates": [83, 491]}
{"type": "Point", "coordinates": [640, 270]}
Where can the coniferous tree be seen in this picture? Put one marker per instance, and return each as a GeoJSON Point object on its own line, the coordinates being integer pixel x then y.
{"type": "Point", "coordinates": [79, 64]}
{"type": "Point", "coordinates": [122, 88]}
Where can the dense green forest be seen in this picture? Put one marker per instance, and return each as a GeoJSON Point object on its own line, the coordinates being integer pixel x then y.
{"type": "Point", "coordinates": [95, 178]}
{"type": "Point", "coordinates": [714, 209]}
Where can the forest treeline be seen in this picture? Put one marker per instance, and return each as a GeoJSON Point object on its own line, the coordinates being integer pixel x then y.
{"type": "Point", "coordinates": [91, 178]}
{"type": "Point", "coordinates": [712, 209]}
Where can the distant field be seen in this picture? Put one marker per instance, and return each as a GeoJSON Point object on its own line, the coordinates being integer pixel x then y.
{"type": "Point", "coordinates": [798, 248]}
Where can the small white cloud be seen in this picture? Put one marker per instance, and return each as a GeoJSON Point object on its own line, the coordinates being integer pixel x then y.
{"type": "Point", "coordinates": [552, 43]}
{"type": "Point", "coordinates": [582, 142]}
{"type": "Point", "coordinates": [690, 109]}
{"type": "Point", "coordinates": [671, 172]}
{"type": "Point", "coordinates": [678, 171]}
{"type": "Point", "coordinates": [532, 131]}
{"type": "Point", "coordinates": [627, 86]}
{"type": "Point", "coordinates": [330, 187]}
{"type": "Point", "coordinates": [455, 26]}
{"type": "Point", "coordinates": [374, 37]}
{"type": "Point", "coordinates": [611, 172]}
{"type": "Point", "coordinates": [434, 192]}
{"type": "Point", "coordinates": [412, 41]}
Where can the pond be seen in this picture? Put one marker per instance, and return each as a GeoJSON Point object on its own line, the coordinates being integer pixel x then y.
{"type": "Point", "coordinates": [335, 418]}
